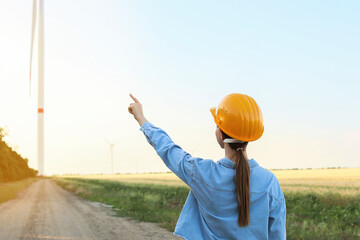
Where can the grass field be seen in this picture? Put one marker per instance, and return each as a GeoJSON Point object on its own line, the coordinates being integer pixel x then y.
{"type": "Point", "coordinates": [321, 204]}
{"type": "Point", "coordinates": [9, 190]}
{"type": "Point", "coordinates": [345, 181]}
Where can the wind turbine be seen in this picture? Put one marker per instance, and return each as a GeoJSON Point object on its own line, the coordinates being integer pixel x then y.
{"type": "Point", "coordinates": [38, 19]}
{"type": "Point", "coordinates": [111, 145]}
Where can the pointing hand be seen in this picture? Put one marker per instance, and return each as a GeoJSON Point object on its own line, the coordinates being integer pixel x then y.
{"type": "Point", "coordinates": [136, 110]}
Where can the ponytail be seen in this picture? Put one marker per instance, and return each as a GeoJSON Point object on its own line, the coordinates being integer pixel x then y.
{"type": "Point", "coordinates": [242, 180]}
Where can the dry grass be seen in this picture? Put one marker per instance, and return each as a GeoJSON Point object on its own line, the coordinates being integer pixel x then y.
{"type": "Point", "coordinates": [342, 180]}
{"type": "Point", "coordinates": [9, 191]}
{"type": "Point", "coordinates": [345, 181]}
{"type": "Point", "coordinates": [336, 174]}
{"type": "Point", "coordinates": [151, 178]}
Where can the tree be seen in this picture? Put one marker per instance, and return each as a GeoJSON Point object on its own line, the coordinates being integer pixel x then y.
{"type": "Point", "coordinates": [12, 166]}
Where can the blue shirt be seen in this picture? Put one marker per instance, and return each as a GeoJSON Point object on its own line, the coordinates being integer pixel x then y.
{"type": "Point", "coordinates": [211, 209]}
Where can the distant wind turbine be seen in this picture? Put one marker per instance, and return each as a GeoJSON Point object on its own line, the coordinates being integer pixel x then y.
{"type": "Point", "coordinates": [38, 17]}
{"type": "Point", "coordinates": [111, 145]}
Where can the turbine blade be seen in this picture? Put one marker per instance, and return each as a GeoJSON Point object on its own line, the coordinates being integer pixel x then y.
{"type": "Point", "coordinates": [33, 24]}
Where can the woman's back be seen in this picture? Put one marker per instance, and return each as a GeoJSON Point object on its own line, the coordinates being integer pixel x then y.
{"type": "Point", "coordinates": [213, 204]}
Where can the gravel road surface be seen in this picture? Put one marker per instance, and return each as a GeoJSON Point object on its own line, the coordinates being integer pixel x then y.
{"type": "Point", "coordinates": [46, 211]}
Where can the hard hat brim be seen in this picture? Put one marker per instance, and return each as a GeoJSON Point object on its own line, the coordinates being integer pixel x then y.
{"type": "Point", "coordinates": [216, 120]}
{"type": "Point", "coordinates": [213, 112]}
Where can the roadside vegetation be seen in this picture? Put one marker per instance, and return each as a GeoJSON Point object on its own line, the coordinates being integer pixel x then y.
{"type": "Point", "coordinates": [9, 190]}
{"type": "Point", "coordinates": [13, 167]}
{"type": "Point", "coordinates": [143, 202]}
{"type": "Point", "coordinates": [310, 214]}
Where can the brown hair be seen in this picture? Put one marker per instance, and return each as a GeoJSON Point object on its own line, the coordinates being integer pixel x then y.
{"type": "Point", "coordinates": [242, 180]}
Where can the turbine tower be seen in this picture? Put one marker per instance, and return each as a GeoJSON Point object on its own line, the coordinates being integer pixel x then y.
{"type": "Point", "coordinates": [38, 19]}
{"type": "Point", "coordinates": [111, 145]}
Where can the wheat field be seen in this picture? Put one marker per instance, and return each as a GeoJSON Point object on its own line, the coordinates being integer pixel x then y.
{"type": "Point", "coordinates": [345, 181]}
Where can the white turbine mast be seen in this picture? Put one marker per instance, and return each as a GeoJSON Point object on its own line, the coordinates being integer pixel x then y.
{"type": "Point", "coordinates": [111, 151]}
{"type": "Point", "coordinates": [38, 20]}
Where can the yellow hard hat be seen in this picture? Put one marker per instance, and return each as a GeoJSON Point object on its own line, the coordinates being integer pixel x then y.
{"type": "Point", "coordinates": [239, 116]}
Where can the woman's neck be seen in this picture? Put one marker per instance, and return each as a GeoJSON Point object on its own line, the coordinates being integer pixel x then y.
{"type": "Point", "coordinates": [231, 153]}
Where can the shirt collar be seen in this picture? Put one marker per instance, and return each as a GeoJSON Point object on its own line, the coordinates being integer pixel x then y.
{"type": "Point", "coordinates": [230, 164]}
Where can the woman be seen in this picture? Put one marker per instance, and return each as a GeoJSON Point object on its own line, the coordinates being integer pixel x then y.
{"type": "Point", "coordinates": [233, 198]}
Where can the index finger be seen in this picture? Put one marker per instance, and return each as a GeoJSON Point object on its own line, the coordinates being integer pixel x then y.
{"type": "Point", "coordinates": [134, 98]}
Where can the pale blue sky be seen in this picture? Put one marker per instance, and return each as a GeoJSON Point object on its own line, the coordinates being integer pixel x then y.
{"type": "Point", "coordinates": [298, 60]}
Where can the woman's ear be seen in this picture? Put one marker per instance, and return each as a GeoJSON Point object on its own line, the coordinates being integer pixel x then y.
{"type": "Point", "coordinates": [222, 135]}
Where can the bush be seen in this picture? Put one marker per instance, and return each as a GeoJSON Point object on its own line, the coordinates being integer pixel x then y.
{"type": "Point", "coordinates": [12, 166]}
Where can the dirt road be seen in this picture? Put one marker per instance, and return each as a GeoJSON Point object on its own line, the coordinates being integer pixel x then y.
{"type": "Point", "coordinates": [46, 211]}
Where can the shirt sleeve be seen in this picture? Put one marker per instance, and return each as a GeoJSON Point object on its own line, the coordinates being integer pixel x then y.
{"type": "Point", "coordinates": [175, 158]}
{"type": "Point", "coordinates": [277, 221]}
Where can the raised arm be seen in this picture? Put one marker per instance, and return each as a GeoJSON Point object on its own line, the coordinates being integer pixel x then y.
{"type": "Point", "coordinates": [175, 158]}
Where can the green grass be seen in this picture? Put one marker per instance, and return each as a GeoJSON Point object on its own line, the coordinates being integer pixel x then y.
{"type": "Point", "coordinates": [309, 215]}
{"type": "Point", "coordinates": [143, 202]}
{"type": "Point", "coordinates": [322, 216]}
